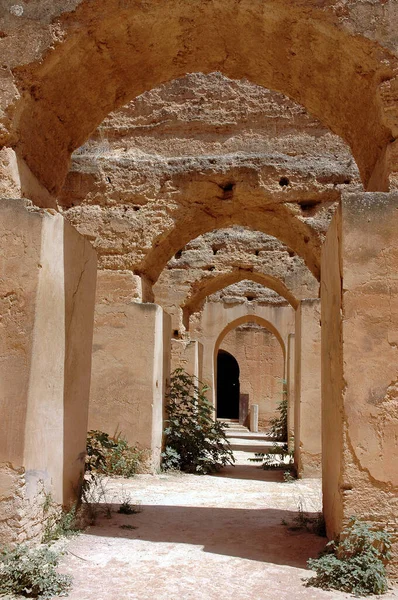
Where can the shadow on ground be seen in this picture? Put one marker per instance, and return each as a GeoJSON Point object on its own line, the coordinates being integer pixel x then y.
{"type": "Point", "coordinates": [254, 534]}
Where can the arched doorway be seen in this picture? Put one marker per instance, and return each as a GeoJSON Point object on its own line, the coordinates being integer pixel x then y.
{"type": "Point", "coordinates": [228, 388]}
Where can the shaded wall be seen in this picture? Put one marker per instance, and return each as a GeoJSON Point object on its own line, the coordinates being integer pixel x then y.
{"type": "Point", "coordinates": [131, 365]}
{"type": "Point", "coordinates": [307, 377]}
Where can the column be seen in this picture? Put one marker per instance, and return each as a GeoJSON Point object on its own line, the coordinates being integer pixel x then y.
{"type": "Point", "coordinates": [307, 409]}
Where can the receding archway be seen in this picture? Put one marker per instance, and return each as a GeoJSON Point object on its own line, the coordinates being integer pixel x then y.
{"type": "Point", "coordinates": [228, 387]}
{"type": "Point", "coordinates": [248, 394]}
{"type": "Point", "coordinates": [281, 221]}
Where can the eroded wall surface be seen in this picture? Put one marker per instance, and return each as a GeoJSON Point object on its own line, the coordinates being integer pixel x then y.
{"type": "Point", "coordinates": [166, 168]}
{"type": "Point", "coordinates": [216, 260]}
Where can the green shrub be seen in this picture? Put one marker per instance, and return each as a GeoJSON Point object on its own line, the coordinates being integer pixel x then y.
{"type": "Point", "coordinates": [31, 572]}
{"type": "Point", "coordinates": [111, 455]}
{"type": "Point", "coordinates": [195, 442]}
{"type": "Point", "coordinates": [355, 563]}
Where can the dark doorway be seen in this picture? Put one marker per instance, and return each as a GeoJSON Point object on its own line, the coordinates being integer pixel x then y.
{"type": "Point", "coordinates": [227, 386]}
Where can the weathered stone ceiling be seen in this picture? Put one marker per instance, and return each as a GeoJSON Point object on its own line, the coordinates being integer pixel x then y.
{"type": "Point", "coordinates": [248, 292]}
{"type": "Point", "coordinates": [198, 144]}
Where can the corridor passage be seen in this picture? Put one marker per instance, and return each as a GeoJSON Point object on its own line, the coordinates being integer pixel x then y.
{"type": "Point", "coordinates": [216, 537]}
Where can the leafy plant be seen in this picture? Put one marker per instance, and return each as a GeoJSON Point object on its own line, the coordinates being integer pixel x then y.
{"type": "Point", "coordinates": [354, 563]}
{"type": "Point", "coordinates": [195, 442]}
{"type": "Point", "coordinates": [111, 455]}
{"type": "Point", "coordinates": [31, 572]}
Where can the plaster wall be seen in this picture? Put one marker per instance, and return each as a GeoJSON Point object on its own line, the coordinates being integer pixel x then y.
{"type": "Point", "coordinates": [131, 362]}
{"type": "Point", "coordinates": [307, 407]}
{"type": "Point", "coordinates": [187, 355]}
{"type": "Point", "coordinates": [48, 275]}
{"type": "Point", "coordinates": [359, 377]}
{"type": "Point", "coordinates": [261, 363]}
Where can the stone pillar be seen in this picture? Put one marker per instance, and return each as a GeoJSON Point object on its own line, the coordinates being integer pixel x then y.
{"type": "Point", "coordinates": [254, 418]}
{"type": "Point", "coordinates": [187, 355]}
{"type": "Point", "coordinates": [307, 409]}
{"type": "Point", "coordinates": [290, 368]}
{"type": "Point", "coordinates": [360, 362]}
{"type": "Point", "coordinates": [131, 364]}
{"type": "Point", "coordinates": [47, 291]}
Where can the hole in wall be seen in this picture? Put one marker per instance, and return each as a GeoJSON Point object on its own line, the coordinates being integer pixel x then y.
{"type": "Point", "coordinates": [227, 189]}
{"type": "Point", "coordinates": [308, 206]}
{"type": "Point", "coordinates": [178, 254]}
{"type": "Point", "coordinates": [176, 333]}
{"type": "Point", "coordinates": [283, 182]}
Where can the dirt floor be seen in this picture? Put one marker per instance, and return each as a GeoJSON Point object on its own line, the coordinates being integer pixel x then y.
{"type": "Point", "coordinates": [219, 537]}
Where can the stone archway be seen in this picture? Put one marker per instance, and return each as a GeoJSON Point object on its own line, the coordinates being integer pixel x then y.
{"type": "Point", "coordinates": [304, 54]}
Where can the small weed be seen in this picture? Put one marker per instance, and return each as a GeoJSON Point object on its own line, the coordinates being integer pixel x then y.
{"type": "Point", "coordinates": [48, 502]}
{"type": "Point", "coordinates": [95, 498]}
{"type": "Point", "coordinates": [288, 477]}
{"type": "Point", "coordinates": [304, 522]}
{"type": "Point", "coordinates": [278, 429]}
{"type": "Point", "coordinates": [61, 524]}
{"type": "Point", "coordinates": [127, 527]}
{"type": "Point", "coordinates": [278, 457]}
{"type": "Point", "coordinates": [128, 509]}
{"type": "Point", "coordinates": [31, 572]}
